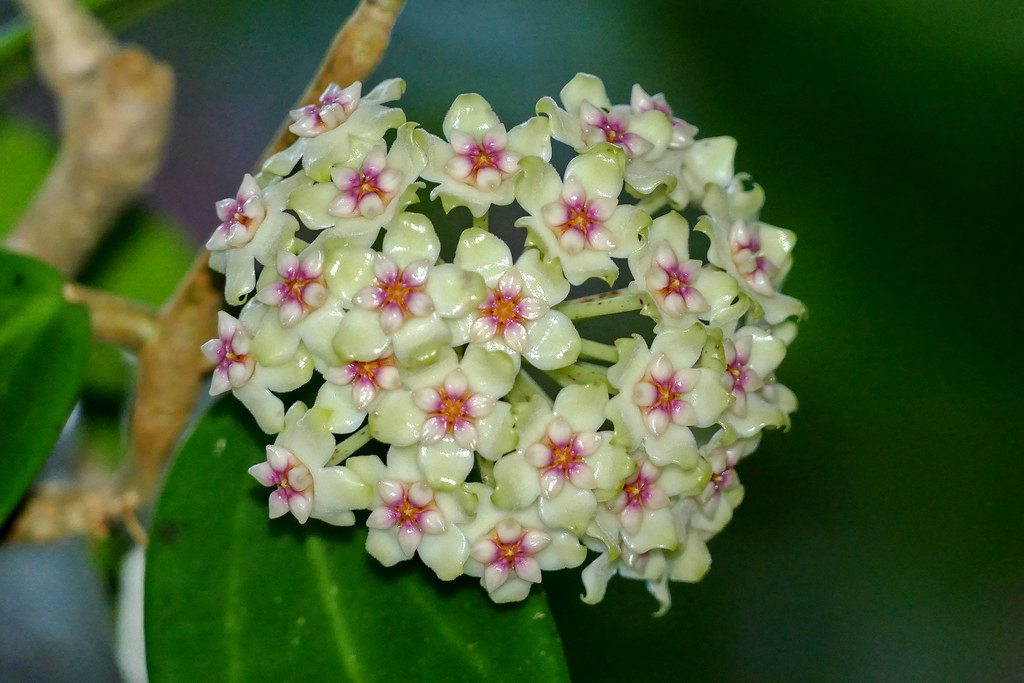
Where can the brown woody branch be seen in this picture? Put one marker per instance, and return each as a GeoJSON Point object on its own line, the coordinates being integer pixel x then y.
{"type": "Point", "coordinates": [171, 367]}
{"type": "Point", "coordinates": [115, 109]}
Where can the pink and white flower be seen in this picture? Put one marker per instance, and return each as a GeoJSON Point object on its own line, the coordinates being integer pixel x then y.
{"type": "Point", "coordinates": [516, 316]}
{"type": "Point", "coordinates": [640, 101]}
{"type": "Point", "coordinates": [336, 105]}
{"type": "Point", "coordinates": [301, 288]}
{"type": "Point", "coordinates": [397, 294]}
{"type": "Point", "coordinates": [231, 354]}
{"type": "Point", "coordinates": [292, 481]}
{"type": "Point", "coordinates": [579, 220]}
{"type": "Point", "coordinates": [506, 312]}
{"type": "Point", "coordinates": [509, 550]}
{"type": "Point", "coordinates": [740, 378]}
{"type": "Point", "coordinates": [409, 508]}
{"type": "Point", "coordinates": [476, 165]}
{"type": "Point", "coordinates": [682, 289]}
{"type": "Point", "coordinates": [409, 517]}
{"type": "Point", "coordinates": [563, 458]}
{"type": "Point", "coordinates": [600, 126]}
{"type": "Point", "coordinates": [661, 395]}
{"type": "Point", "coordinates": [452, 410]}
{"type": "Point", "coordinates": [366, 378]}
{"type": "Point", "coordinates": [751, 356]}
{"type": "Point", "coordinates": [639, 493]}
{"type": "Point", "coordinates": [758, 255]}
{"type": "Point", "coordinates": [240, 217]}
{"type": "Point", "coordinates": [367, 190]}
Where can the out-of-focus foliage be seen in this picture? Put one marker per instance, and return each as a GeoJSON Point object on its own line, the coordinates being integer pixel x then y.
{"type": "Point", "coordinates": [44, 344]}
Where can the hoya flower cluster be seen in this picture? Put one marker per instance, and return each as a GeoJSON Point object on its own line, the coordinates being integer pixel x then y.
{"type": "Point", "coordinates": [507, 444]}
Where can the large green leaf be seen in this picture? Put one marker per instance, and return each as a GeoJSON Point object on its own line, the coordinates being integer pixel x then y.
{"type": "Point", "coordinates": [233, 596]}
{"type": "Point", "coordinates": [44, 342]}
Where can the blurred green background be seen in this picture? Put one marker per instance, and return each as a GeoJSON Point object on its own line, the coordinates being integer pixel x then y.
{"type": "Point", "coordinates": [882, 537]}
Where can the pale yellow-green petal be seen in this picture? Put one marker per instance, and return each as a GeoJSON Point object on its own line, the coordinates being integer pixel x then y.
{"type": "Point", "coordinates": [484, 253]}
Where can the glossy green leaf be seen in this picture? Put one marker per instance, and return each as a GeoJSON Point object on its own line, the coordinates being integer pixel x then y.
{"type": "Point", "coordinates": [44, 342]}
{"type": "Point", "coordinates": [234, 596]}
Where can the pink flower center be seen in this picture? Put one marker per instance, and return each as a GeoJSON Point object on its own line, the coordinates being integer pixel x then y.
{"type": "Point", "coordinates": [669, 393]}
{"type": "Point", "coordinates": [369, 370]}
{"type": "Point", "coordinates": [614, 129]}
{"type": "Point", "coordinates": [503, 308]}
{"type": "Point", "coordinates": [398, 290]}
{"type": "Point", "coordinates": [407, 514]}
{"type": "Point", "coordinates": [581, 218]}
{"type": "Point", "coordinates": [507, 554]}
{"type": "Point", "coordinates": [564, 455]}
{"type": "Point", "coordinates": [452, 409]}
{"type": "Point", "coordinates": [640, 490]}
{"type": "Point", "coordinates": [679, 280]}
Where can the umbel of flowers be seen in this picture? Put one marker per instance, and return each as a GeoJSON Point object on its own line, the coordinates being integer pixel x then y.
{"type": "Point", "coordinates": [507, 444]}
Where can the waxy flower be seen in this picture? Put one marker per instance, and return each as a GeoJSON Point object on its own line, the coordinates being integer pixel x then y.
{"type": "Point", "coordinates": [509, 550]}
{"type": "Point", "coordinates": [661, 395]}
{"type": "Point", "coordinates": [751, 356]}
{"type": "Point", "coordinates": [579, 220]}
{"type": "Point", "coordinates": [230, 353]}
{"type": "Point", "coordinates": [640, 101]}
{"type": "Point", "coordinates": [640, 518]}
{"type": "Point", "coordinates": [297, 466]}
{"type": "Point", "coordinates": [293, 482]}
{"type": "Point", "coordinates": [477, 164]}
{"type": "Point", "coordinates": [254, 379]}
{"type": "Point", "coordinates": [300, 289]}
{"type": "Point", "coordinates": [240, 217]}
{"type": "Point", "coordinates": [756, 254]}
{"type": "Point", "coordinates": [590, 119]}
{"type": "Point", "coordinates": [563, 458]}
{"type": "Point", "coordinates": [254, 228]}
{"type": "Point", "coordinates": [399, 296]}
{"type": "Point", "coordinates": [451, 409]}
{"type": "Point", "coordinates": [353, 387]}
{"type": "Point", "coordinates": [339, 131]}
{"type": "Point", "coordinates": [336, 105]}
{"type": "Point", "coordinates": [682, 289]}
{"type": "Point", "coordinates": [366, 191]}
{"type": "Point", "coordinates": [723, 492]}
{"type": "Point", "coordinates": [516, 315]}
{"type": "Point", "coordinates": [407, 516]}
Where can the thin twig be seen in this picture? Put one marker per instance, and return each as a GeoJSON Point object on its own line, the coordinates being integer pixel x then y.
{"type": "Point", "coordinates": [115, 319]}
{"type": "Point", "coordinates": [57, 511]}
{"type": "Point", "coordinates": [170, 371]}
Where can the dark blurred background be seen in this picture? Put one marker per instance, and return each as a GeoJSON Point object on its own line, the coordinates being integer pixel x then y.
{"type": "Point", "coordinates": [882, 537]}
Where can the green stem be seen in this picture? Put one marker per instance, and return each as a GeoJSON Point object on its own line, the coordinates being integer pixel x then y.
{"type": "Point", "coordinates": [525, 387]}
{"type": "Point", "coordinates": [482, 222]}
{"type": "Point", "coordinates": [598, 351]}
{"type": "Point", "coordinates": [608, 303]}
{"type": "Point", "coordinates": [352, 443]}
{"type": "Point", "coordinates": [580, 373]}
